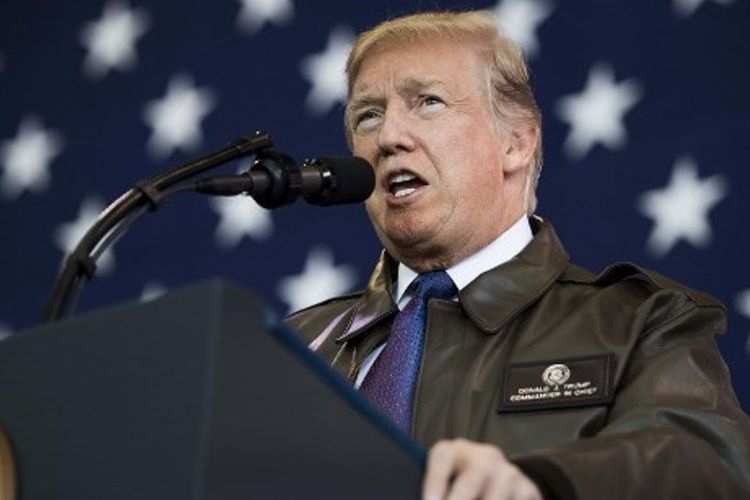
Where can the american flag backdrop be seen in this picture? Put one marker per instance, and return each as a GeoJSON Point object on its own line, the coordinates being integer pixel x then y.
{"type": "Point", "coordinates": [646, 129]}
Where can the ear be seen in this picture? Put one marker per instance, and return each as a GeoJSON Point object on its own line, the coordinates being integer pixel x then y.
{"type": "Point", "coordinates": [519, 148]}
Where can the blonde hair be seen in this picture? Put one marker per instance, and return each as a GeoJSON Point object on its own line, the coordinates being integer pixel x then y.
{"type": "Point", "coordinates": [511, 95]}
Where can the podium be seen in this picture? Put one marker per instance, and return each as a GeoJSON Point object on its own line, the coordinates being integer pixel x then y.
{"type": "Point", "coordinates": [191, 396]}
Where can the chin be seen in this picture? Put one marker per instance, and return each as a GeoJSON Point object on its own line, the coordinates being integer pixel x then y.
{"type": "Point", "coordinates": [409, 237]}
{"type": "Point", "coordinates": [420, 254]}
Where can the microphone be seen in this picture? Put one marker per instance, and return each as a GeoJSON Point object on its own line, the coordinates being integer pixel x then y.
{"type": "Point", "coordinates": [334, 180]}
{"type": "Point", "coordinates": [275, 180]}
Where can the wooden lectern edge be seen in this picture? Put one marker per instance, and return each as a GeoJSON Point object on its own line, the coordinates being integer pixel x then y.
{"type": "Point", "coordinates": [7, 469]}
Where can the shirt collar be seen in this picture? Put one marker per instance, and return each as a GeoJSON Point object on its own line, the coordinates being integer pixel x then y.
{"type": "Point", "coordinates": [500, 251]}
{"type": "Point", "coordinates": [490, 301]}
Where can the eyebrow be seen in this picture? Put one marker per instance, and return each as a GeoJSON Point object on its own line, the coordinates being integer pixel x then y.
{"type": "Point", "coordinates": [408, 87]}
{"type": "Point", "coordinates": [412, 86]}
{"type": "Point", "coordinates": [364, 101]}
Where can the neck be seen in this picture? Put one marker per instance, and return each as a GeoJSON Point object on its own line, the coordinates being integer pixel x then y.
{"type": "Point", "coordinates": [496, 253]}
{"type": "Point", "coordinates": [428, 257]}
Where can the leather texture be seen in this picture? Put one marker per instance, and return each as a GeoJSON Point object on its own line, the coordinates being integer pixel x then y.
{"type": "Point", "coordinates": [673, 427]}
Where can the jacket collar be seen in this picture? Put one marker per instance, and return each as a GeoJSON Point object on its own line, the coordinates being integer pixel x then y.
{"type": "Point", "coordinates": [498, 295]}
{"type": "Point", "coordinates": [491, 300]}
{"type": "Point", "coordinates": [376, 303]}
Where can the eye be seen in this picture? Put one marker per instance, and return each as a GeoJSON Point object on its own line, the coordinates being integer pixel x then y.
{"type": "Point", "coordinates": [430, 100]}
{"type": "Point", "coordinates": [366, 119]}
{"type": "Point", "coordinates": [429, 106]}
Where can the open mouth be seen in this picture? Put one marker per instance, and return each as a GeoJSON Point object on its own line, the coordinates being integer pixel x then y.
{"type": "Point", "coordinates": [404, 183]}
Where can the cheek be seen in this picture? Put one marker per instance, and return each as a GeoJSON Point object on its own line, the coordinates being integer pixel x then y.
{"type": "Point", "coordinates": [365, 148]}
{"type": "Point", "coordinates": [477, 189]}
{"type": "Point", "coordinates": [372, 205]}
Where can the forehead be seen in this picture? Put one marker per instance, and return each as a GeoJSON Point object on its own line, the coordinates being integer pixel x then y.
{"type": "Point", "coordinates": [413, 65]}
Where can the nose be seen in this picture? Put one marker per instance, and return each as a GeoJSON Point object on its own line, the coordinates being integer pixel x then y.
{"type": "Point", "coordinates": [395, 134]}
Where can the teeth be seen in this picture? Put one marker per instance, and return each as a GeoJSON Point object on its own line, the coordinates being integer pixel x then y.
{"type": "Point", "coordinates": [402, 177]}
{"type": "Point", "coordinates": [402, 183]}
{"type": "Point", "coordinates": [404, 192]}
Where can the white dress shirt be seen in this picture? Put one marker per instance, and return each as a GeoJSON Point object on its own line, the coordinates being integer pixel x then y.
{"type": "Point", "coordinates": [500, 251]}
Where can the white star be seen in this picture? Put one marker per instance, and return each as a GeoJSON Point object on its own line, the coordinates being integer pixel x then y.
{"type": "Point", "coordinates": [152, 291]}
{"type": "Point", "coordinates": [5, 331]}
{"type": "Point", "coordinates": [680, 210]}
{"type": "Point", "coordinates": [26, 159]}
{"type": "Point", "coordinates": [68, 234]}
{"type": "Point", "coordinates": [596, 114]}
{"type": "Point", "coordinates": [319, 280]}
{"type": "Point", "coordinates": [175, 118]}
{"type": "Point", "coordinates": [686, 8]}
{"type": "Point", "coordinates": [742, 303]}
{"type": "Point", "coordinates": [520, 19]}
{"type": "Point", "coordinates": [255, 13]}
{"type": "Point", "coordinates": [325, 71]}
{"type": "Point", "coordinates": [110, 40]}
{"type": "Point", "coordinates": [240, 216]}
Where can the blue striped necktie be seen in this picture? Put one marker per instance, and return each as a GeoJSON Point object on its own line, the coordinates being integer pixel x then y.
{"type": "Point", "coordinates": [389, 384]}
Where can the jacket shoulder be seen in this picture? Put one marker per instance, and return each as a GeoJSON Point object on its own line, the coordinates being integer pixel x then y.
{"type": "Point", "coordinates": [657, 301]}
{"type": "Point", "coordinates": [640, 279]}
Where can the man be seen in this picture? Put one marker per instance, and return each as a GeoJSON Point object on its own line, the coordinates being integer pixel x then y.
{"type": "Point", "coordinates": [532, 377]}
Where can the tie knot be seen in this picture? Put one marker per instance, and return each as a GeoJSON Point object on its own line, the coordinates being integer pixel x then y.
{"type": "Point", "coordinates": [434, 284]}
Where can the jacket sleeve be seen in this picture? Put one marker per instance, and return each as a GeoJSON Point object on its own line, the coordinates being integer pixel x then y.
{"type": "Point", "coordinates": [675, 429]}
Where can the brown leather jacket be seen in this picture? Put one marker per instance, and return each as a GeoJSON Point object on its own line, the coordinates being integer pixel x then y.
{"type": "Point", "coordinates": [607, 386]}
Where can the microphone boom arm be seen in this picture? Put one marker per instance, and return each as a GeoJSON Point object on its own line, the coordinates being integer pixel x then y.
{"type": "Point", "coordinates": [80, 262]}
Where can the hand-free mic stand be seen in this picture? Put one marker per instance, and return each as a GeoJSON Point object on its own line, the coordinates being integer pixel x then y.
{"type": "Point", "coordinates": [145, 194]}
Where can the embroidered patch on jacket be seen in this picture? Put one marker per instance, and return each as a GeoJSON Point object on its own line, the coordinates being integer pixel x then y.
{"type": "Point", "coordinates": [560, 383]}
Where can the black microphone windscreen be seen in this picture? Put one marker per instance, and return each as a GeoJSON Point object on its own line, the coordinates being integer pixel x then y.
{"type": "Point", "coordinates": [353, 180]}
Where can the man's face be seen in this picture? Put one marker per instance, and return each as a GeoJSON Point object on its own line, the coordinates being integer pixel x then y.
{"type": "Point", "coordinates": [421, 115]}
